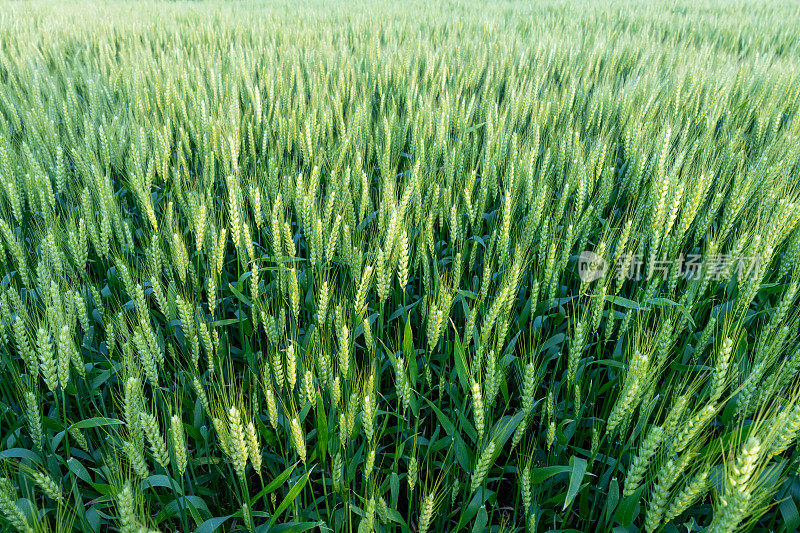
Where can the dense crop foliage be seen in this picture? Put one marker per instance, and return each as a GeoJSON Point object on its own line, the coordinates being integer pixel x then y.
{"type": "Point", "coordinates": [301, 268]}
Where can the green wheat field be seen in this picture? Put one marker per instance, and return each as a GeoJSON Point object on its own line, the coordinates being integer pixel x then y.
{"type": "Point", "coordinates": [400, 266]}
